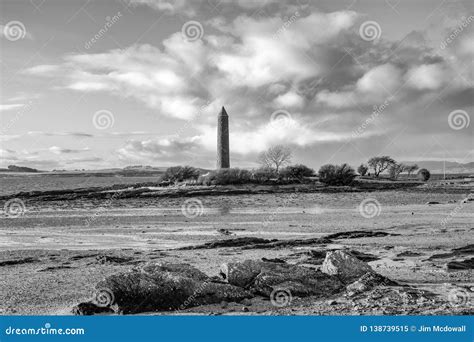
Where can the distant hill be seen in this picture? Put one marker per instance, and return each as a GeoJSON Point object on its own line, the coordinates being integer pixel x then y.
{"type": "Point", "coordinates": [436, 166]}
{"type": "Point", "coordinates": [144, 168]}
{"type": "Point", "coordinates": [14, 168]}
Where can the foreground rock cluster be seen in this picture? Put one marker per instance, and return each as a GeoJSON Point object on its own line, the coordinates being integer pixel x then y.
{"type": "Point", "coordinates": [174, 287]}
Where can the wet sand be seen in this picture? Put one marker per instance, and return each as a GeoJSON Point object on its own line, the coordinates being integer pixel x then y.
{"type": "Point", "coordinates": [64, 248]}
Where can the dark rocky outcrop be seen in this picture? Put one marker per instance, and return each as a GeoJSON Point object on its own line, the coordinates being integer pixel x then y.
{"type": "Point", "coordinates": [455, 252]}
{"type": "Point", "coordinates": [408, 254]}
{"type": "Point", "coordinates": [254, 242]}
{"type": "Point", "coordinates": [163, 287]}
{"type": "Point", "coordinates": [87, 309]}
{"type": "Point", "coordinates": [111, 259]}
{"type": "Point", "coordinates": [18, 261]}
{"type": "Point", "coordinates": [264, 277]}
{"type": "Point", "coordinates": [168, 286]}
{"type": "Point", "coordinates": [234, 242]}
{"type": "Point", "coordinates": [467, 264]}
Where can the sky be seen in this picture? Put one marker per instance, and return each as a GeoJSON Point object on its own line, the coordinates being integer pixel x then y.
{"type": "Point", "coordinates": [105, 84]}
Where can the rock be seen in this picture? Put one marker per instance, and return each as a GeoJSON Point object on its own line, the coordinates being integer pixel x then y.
{"type": "Point", "coordinates": [241, 274]}
{"type": "Point", "coordinates": [245, 309]}
{"type": "Point", "coordinates": [110, 259]}
{"type": "Point", "coordinates": [365, 257]}
{"type": "Point", "coordinates": [368, 281]}
{"type": "Point", "coordinates": [247, 302]}
{"type": "Point", "coordinates": [465, 250]}
{"type": "Point", "coordinates": [254, 242]}
{"type": "Point", "coordinates": [467, 264]}
{"type": "Point", "coordinates": [163, 287]}
{"type": "Point", "coordinates": [234, 242]}
{"type": "Point", "coordinates": [408, 254]}
{"type": "Point", "coordinates": [54, 268]}
{"type": "Point", "coordinates": [224, 231]}
{"type": "Point", "coordinates": [264, 278]}
{"type": "Point", "coordinates": [277, 260]}
{"type": "Point", "coordinates": [356, 234]}
{"type": "Point", "coordinates": [18, 261]}
{"type": "Point", "coordinates": [88, 308]}
{"type": "Point", "coordinates": [345, 266]}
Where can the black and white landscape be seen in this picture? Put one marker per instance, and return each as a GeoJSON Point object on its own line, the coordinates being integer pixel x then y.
{"type": "Point", "coordinates": [241, 157]}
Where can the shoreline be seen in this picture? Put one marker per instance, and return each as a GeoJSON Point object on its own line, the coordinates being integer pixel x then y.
{"type": "Point", "coordinates": [144, 190]}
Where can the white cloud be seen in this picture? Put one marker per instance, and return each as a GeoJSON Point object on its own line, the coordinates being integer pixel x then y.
{"type": "Point", "coordinates": [253, 65]}
{"type": "Point", "coordinates": [11, 106]}
{"type": "Point", "coordinates": [423, 77]}
{"type": "Point", "coordinates": [289, 132]}
{"type": "Point", "coordinates": [289, 100]}
{"type": "Point", "coordinates": [383, 79]}
{"type": "Point", "coordinates": [168, 6]}
{"type": "Point", "coordinates": [374, 87]}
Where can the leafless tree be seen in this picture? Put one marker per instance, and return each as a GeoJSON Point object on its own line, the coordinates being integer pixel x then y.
{"type": "Point", "coordinates": [380, 164]}
{"type": "Point", "coordinates": [411, 168]}
{"type": "Point", "coordinates": [275, 157]}
{"type": "Point", "coordinates": [396, 169]}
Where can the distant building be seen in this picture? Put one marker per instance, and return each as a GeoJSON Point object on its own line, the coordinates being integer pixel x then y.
{"type": "Point", "coordinates": [223, 153]}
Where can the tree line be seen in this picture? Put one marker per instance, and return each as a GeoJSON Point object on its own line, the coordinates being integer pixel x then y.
{"type": "Point", "coordinates": [276, 167]}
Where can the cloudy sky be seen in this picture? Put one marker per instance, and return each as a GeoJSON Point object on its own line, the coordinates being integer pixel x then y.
{"type": "Point", "coordinates": [99, 84]}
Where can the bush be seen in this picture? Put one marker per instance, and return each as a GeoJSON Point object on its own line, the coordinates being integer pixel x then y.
{"type": "Point", "coordinates": [298, 171]}
{"type": "Point", "coordinates": [180, 173]}
{"type": "Point", "coordinates": [362, 169]}
{"type": "Point", "coordinates": [264, 174]}
{"type": "Point", "coordinates": [423, 175]}
{"type": "Point", "coordinates": [226, 177]}
{"type": "Point", "coordinates": [336, 174]}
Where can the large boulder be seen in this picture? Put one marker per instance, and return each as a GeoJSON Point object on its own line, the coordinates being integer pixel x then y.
{"type": "Point", "coordinates": [264, 278]}
{"type": "Point", "coordinates": [344, 265]}
{"type": "Point", "coordinates": [163, 287]}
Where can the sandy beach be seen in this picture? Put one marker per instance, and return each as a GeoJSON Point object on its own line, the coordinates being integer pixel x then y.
{"type": "Point", "coordinates": [55, 253]}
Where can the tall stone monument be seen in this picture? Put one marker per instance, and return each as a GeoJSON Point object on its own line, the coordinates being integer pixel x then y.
{"type": "Point", "coordinates": [223, 158]}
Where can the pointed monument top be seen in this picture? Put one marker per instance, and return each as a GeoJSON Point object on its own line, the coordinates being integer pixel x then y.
{"type": "Point", "coordinates": [223, 112]}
